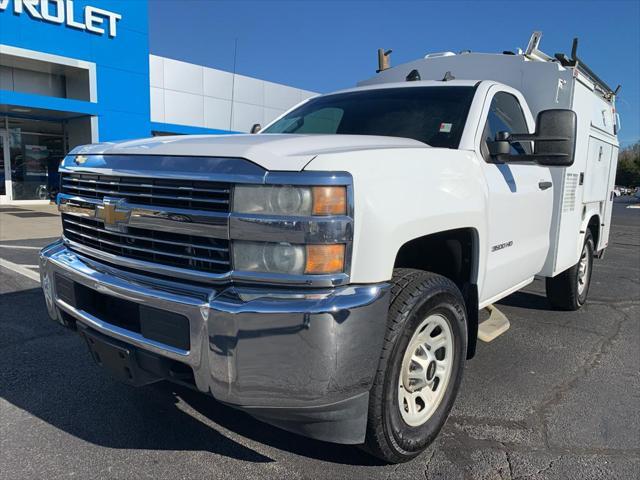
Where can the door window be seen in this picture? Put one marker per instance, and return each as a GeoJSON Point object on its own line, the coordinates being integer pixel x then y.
{"type": "Point", "coordinates": [505, 115]}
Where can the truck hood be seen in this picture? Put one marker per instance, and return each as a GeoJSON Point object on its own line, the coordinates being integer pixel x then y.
{"type": "Point", "coordinates": [270, 151]}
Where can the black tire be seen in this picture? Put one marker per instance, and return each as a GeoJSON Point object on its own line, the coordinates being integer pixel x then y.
{"type": "Point", "coordinates": [414, 295]}
{"type": "Point", "coordinates": [563, 290]}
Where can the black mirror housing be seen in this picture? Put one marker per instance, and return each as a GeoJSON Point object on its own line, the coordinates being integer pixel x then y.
{"type": "Point", "coordinates": [556, 137]}
{"type": "Point", "coordinates": [554, 142]}
{"type": "Point", "coordinates": [256, 128]}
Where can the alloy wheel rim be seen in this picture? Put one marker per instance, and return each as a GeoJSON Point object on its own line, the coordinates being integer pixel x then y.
{"type": "Point", "coordinates": [583, 270]}
{"type": "Point", "coordinates": [426, 370]}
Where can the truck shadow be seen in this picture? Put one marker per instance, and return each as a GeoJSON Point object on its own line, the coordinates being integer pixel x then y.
{"type": "Point", "coordinates": [48, 373]}
{"type": "Point", "coordinates": [527, 300]}
{"type": "Point", "coordinates": [245, 425]}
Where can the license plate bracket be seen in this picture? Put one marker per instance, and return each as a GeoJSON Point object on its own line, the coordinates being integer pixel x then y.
{"type": "Point", "coordinates": [117, 358]}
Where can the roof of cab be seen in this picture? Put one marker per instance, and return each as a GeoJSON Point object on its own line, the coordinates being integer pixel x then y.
{"type": "Point", "coordinates": [417, 83]}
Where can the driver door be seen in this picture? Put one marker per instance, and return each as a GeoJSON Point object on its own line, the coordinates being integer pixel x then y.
{"type": "Point", "coordinates": [520, 200]}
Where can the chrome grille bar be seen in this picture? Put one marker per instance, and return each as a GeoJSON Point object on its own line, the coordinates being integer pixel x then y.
{"type": "Point", "coordinates": [140, 237]}
{"type": "Point", "coordinates": [190, 194]}
{"type": "Point", "coordinates": [172, 249]}
{"type": "Point", "coordinates": [70, 179]}
{"type": "Point", "coordinates": [130, 195]}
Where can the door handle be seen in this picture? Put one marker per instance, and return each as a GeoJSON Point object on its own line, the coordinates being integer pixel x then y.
{"type": "Point", "coordinates": [544, 185]}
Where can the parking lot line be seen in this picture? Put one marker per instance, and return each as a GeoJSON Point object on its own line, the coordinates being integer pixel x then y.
{"type": "Point", "coordinates": [21, 269]}
{"type": "Point", "coordinates": [20, 247]}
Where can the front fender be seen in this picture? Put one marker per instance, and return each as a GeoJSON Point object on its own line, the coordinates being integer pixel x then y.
{"type": "Point", "coordinates": [403, 194]}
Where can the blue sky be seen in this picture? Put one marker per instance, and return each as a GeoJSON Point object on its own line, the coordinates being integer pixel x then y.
{"type": "Point", "coordinates": [327, 45]}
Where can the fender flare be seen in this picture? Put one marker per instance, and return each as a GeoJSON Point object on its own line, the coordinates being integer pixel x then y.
{"type": "Point", "coordinates": [589, 215]}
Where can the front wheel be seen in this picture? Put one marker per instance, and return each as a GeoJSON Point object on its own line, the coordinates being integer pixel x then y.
{"type": "Point", "coordinates": [420, 367]}
{"type": "Point", "coordinates": [569, 289]}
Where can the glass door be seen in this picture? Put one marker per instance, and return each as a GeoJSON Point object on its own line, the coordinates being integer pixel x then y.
{"type": "Point", "coordinates": [34, 164]}
{"type": "Point", "coordinates": [5, 171]}
{"type": "Point", "coordinates": [30, 154]}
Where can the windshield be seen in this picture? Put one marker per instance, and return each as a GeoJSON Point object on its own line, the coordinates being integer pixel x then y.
{"type": "Point", "coordinates": [432, 115]}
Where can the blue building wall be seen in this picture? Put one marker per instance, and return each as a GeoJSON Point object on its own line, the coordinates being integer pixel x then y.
{"type": "Point", "coordinates": [122, 64]}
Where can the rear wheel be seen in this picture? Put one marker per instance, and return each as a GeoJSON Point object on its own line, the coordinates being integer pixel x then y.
{"type": "Point", "coordinates": [420, 367]}
{"type": "Point", "coordinates": [569, 290]}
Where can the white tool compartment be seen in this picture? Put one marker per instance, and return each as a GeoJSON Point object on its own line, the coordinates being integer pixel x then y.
{"type": "Point", "coordinates": [594, 169]}
{"type": "Point", "coordinates": [597, 170]}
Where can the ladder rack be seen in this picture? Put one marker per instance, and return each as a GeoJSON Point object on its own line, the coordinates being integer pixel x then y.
{"type": "Point", "coordinates": [535, 54]}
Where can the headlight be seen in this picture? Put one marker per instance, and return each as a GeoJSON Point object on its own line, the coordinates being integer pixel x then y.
{"type": "Point", "coordinates": [290, 200]}
{"type": "Point", "coordinates": [268, 257]}
{"type": "Point", "coordinates": [286, 258]}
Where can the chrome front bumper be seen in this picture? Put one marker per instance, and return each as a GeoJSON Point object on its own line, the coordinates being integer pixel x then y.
{"type": "Point", "coordinates": [300, 359]}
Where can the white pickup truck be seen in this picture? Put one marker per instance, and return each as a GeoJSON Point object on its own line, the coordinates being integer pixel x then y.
{"type": "Point", "coordinates": [326, 274]}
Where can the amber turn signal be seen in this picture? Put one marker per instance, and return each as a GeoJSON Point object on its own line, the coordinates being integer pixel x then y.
{"type": "Point", "coordinates": [329, 200]}
{"type": "Point", "coordinates": [325, 259]}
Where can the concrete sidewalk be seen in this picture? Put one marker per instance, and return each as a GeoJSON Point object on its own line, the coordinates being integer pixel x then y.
{"type": "Point", "coordinates": [28, 222]}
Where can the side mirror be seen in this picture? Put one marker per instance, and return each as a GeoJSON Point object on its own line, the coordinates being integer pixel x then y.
{"type": "Point", "coordinates": [256, 128]}
{"type": "Point", "coordinates": [554, 142]}
{"type": "Point", "coordinates": [500, 146]}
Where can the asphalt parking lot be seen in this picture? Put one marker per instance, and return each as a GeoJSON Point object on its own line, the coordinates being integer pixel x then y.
{"type": "Point", "coordinates": [557, 396]}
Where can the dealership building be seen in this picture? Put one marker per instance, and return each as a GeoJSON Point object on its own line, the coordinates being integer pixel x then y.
{"type": "Point", "coordinates": [74, 72]}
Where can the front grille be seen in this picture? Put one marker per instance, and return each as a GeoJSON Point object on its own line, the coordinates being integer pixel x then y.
{"type": "Point", "coordinates": [189, 194]}
{"type": "Point", "coordinates": [173, 249]}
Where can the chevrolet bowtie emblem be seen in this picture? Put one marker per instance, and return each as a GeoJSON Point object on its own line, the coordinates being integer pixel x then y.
{"type": "Point", "coordinates": [114, 213]}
